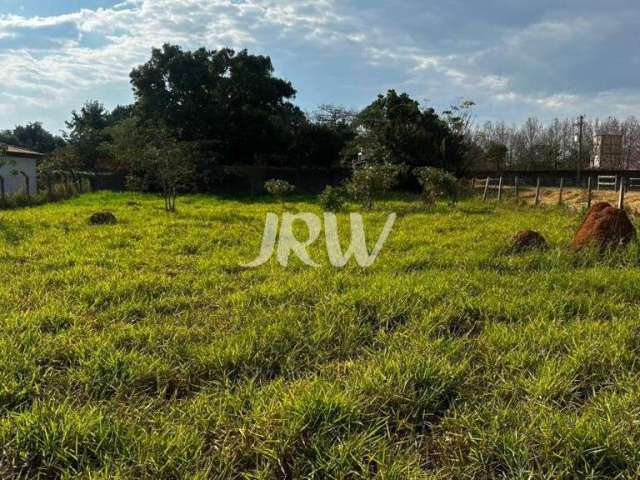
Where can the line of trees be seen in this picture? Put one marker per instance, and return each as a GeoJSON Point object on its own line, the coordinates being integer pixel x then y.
{"type": "Point", "coordinates": [195, 111]}
{"type": "Point", "coordinates": [32, 136]}
{"type": "Point", "coordinates": [535, 146]}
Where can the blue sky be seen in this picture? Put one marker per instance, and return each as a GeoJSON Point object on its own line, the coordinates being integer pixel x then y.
{"type": "Point", "coordinates": [514, 59]}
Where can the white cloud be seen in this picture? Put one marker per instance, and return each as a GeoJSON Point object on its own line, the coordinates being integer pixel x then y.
{"type": "Point", "coordinates": [56, 74]}
{"type": "Point", "coordinates": [535, 66]}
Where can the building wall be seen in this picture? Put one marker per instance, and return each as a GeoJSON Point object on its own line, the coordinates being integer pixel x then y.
{"type": "Point", "coordinates": [15, 184]}
{"type": "Point", "coordinates": [607, 151]}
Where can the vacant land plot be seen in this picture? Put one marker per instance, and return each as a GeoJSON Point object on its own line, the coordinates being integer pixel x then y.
{"type": "Point", "coordinates": [142, 349]}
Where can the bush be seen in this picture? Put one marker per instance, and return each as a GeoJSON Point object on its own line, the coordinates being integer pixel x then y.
{"type": "Point", "coordinates": [372, 181]}
{"type": "Point", "coordinates": [20, 200]}
{"type": "Point", "coordinates": [332, 199]}
{"type": "Point", "coordinates": [437, 184]}
{"type": "Point", "coordinates": [278, 188]}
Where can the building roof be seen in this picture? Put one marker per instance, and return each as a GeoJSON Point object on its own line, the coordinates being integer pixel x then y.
{"type": "Point", "coordinates": [21, 152]}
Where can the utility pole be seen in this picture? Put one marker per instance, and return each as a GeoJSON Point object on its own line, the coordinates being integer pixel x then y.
{"type": "Point", "coordinates": [580, 138]}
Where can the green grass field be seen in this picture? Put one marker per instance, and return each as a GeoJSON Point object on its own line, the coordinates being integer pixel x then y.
{"type": "Point", "coordinates": [142, 349]}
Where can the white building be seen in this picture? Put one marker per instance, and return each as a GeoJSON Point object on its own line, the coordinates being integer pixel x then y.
{"type": "Point", "coordinates": [607, 152]}
{"type": "Point", "coordinates": [17, 169]}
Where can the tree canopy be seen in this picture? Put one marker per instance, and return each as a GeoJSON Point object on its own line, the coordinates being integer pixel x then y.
{"type": "Point", "coordinates": [230, 102]}
{"type": "Point", "coordinates": [87, 134]}
{"type": "Point", "coordinates": [32, 136]}
{"type": "Point", "coordinates": [395, 128]}
{"type": "Point", "coordinates": [228, 108]}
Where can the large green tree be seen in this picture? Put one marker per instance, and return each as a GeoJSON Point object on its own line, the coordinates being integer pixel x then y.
{"type": "Point", "coordinates": [230, 102]}
{"type": "Point", "coordinates": [396, 129]}
{"type": "Point", "coordinates": [87, 134]}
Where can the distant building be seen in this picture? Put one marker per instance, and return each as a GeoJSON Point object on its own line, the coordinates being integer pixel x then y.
{"type": "Point", "coordinates": [607, 152]}
{"type": "Point", "coordinates": [16, 165]}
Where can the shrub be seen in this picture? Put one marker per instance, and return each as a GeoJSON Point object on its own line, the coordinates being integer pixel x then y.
{"type": "Point", "coordinates": [372, 181]}
{"type": "Point", "coordinates": [278, 188]}
{"type": "Point", "coordinates": [22, 200]}
{"type": "Point", "coordinates": [437, 184]}
{"type": "Point", "coordinates": [332, 199]}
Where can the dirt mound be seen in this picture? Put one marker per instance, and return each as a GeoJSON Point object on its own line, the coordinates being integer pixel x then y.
{"type": "Point", "coordinates": [103, 218]}
{"type": "Point", "coordinates": [595, 208]}
{"type": "Point", "coordinates": [604, 226]}
{"type": "Point", "coordinates": [528, 240]}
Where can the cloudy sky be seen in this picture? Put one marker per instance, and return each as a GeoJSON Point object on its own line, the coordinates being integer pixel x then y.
{"type": "Point", "coordinates": [513, 58]}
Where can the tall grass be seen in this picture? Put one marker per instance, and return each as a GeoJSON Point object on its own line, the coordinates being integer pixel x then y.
{"type": "Point", "coordinates": [142, 349]}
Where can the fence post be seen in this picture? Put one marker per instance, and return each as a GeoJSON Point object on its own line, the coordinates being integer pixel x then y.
{"type": "Point", "coordinates": [500, 189]}
{"type": "Point", "coordinates": [515, 187]}
{"type": "Point", "coordinates": [2, 188]}
{"type": "Point", "coordinates": [26, 184]}
{"type": "Point", "coordinates": [537, 191]}
{"type": "Point", "coordinates": [473, 183]}
{"type": "Point", "coordinates": [589, 193]}
{"type": "Point", "coordinates": [486, 189]}
{"type": "Point", "coordinates": [67, 186]}
{"type": "Point", "coordinates": [561, 190]}
{"type": "Point", "coordinates": [621, 196]}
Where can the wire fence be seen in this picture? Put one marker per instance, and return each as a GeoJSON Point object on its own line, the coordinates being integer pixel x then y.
{"type": "Point", "coordinates": [534, 188]}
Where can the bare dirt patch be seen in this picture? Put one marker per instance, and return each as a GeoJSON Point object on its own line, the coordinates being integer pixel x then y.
{"type": "Point", "coordinates": [577, 198]}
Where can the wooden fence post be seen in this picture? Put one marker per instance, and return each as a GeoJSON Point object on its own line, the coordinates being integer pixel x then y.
{"type": "Point", "coordinates": [26, 184]}
{"type": "Point", "coordinates": [473, 183]}
{"type": "Point", "coordinates": [538, 191]}
{"type": "Point", "coordinates": [561, 190]}
{"type": "Point", "coordinates": [500, 189]}
{"type": "Point", "coordinates": [589, 193]}
{"type": "Point", "coordinates": [621, 196]}
{"type": "Point", "coordinates": [515, 187]}
{"type": "Point", "coordinates": [486, 189]}
{"type": "Point", "coordinates": [67, 185]}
